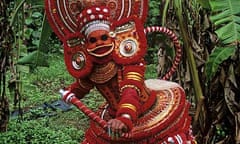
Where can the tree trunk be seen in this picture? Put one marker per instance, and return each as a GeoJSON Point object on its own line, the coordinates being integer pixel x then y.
{"type": "Point", "coordinates": [5, 48]}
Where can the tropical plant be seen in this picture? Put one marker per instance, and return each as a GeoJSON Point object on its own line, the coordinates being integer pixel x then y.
{"type": "Point", "coordinates": [25, 35]}
{"type": "Point", "coordinates": [222, 71]}
{"type": "Point", "coordinates": [210, 68]}
{"type": "Point", "coordinates": [209, 72]}
{"type": "Point", "coordinates": [226, 18]}
{"type": "Point", "coordinates": [32, 32]}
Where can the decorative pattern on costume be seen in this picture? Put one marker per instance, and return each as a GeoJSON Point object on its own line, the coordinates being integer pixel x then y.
{"type": "Point", "coordinates": [129, 106]}
{"type": "Point", "coordinates": [128, 47]}
{"type": "Point", "coordinates": [62, 14]}
{"type": "Point", "coordinates": [162, 121]}
{"type": "Point", "coordinates": [77, 61]}
{"type": "Point", "coordinates": [133, 77]}
{"type": "Point", "coordinates": [103, 73]}
{"type": "Point", "coordinates": [130, 41]}
{"type": "Point", "coordinates": [89, 18]}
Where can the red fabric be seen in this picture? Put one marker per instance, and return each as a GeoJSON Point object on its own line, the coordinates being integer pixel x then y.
{"type": "Point", "coordinates": [129, 96]}
{"type": "Point", "coordinates": [137, 68]}
{"type": "Point", "coordinates": [78, 90]}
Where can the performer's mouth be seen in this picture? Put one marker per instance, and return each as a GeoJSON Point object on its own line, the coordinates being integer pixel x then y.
{"type": "Point", "coordinates": [101, 51]}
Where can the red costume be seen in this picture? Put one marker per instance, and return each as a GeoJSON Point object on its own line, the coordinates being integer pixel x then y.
{"type": "Point", "coordinates": [104, 45]}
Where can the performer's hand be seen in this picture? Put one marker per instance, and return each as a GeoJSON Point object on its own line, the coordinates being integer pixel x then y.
{"type": "Point", "coordinates": [116, 128]}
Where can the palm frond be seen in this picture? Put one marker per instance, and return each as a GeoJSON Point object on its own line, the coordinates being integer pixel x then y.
{"type": "Point", "coordinates": [226, 17]}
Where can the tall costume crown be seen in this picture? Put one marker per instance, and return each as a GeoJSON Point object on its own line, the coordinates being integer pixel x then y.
{"type": "Point", "coordinates": [74, 20]}
{"type": "Point", "coordinates": [63, 14]}
{"type": "Point", "coordinates": [94, 18]}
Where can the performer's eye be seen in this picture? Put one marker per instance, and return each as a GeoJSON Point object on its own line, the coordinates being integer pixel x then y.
{"type": "Point", "coordinates": [92, 39]}
{"type": "Point", "coordinates": [104, 37]}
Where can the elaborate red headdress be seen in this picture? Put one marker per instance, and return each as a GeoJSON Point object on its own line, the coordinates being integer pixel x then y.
{"type": "Point", "coordinates": [73, 20]}
{"type": "Point", "coordinates": [94, 18]}
{"type": "Point", "coordinates": [63, 14]}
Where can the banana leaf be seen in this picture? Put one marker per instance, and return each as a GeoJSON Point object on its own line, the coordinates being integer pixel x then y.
{"type": "Point", "coordinates": [226, 18]}
{"type": "Point", "coordinates": [216, 58]}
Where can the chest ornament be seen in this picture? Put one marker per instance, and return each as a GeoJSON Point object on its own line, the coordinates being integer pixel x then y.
{"type": "Point", "coordinates": [103, 73]}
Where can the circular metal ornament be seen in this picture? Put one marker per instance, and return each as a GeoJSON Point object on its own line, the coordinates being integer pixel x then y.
{"type": "Point", "coordinates": [128, 47]}
{"type": "Point", "coordinates": [78, 60]}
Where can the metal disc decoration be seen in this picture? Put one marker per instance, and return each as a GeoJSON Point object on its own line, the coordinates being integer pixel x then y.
{"type": "Point", "coordinates": [128, 47]}
{"type": "Point", "coordinates": [62, 14]}
{"type": "Point", "coordinates": [76, 58]}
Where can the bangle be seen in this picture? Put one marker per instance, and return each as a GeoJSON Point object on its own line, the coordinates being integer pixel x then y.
{"type": "Point", "coordinates": [126, 116]}
{"type": "Point", "coordinates": [129, 106]}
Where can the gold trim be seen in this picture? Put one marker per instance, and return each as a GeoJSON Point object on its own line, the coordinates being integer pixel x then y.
{"type": "Point", "coordinates": [134, 73]}
{"type": "Point", "coordinates": [129, 106]}
{"type": "Point", "coordinates": [131, 86]}
{"type": "Point", "coordinates": [134, 77]}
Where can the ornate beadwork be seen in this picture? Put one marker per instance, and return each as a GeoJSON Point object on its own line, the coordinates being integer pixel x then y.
{"type": "Point", "coordinates": [103, 73]}
{"type": "Point", "coordinates": [126, 27]}
{"type": "Point", "coordinates": [74, 42]}
{"type": "Point", "coordinates": [63, 13]}
{"type": "Point", "coordinates": [130, 86]}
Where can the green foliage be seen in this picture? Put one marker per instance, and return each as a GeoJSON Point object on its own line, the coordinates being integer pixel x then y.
{"type": "Point", "coordinates": [204, 3]}
{"type": "Point", "coordinates": [226, 17]}
{"type": "Point", "coordinates": [216, 58]}
{"type": "Point", "coordinates": [151, 71]}
{"type": "Point", "coordinates": [46, 32]}
{"type": "Point", "coordinates": [34, 58]}
{"type": "Point", "coordinates": [154, 12]}
{"type": "Point", "coordinates": [37, 131]}
{"type": "Point", "coordinates": [43, 84]}
{"type": "Point", "coordinates": [32, 32]}
{"type": "Point", "coordinates": [165, 11]}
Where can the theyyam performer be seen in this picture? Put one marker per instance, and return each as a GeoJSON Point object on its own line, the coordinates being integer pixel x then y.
{"type": "Point", "coordinates": [104, 47]}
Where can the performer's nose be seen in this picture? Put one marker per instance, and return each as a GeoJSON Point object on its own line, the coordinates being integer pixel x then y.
{"type": "Point", "coordinates": [99, 42]}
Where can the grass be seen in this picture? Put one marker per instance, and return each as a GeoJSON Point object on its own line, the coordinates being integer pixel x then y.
{"type": "Point", "coordinates": [42, 85]}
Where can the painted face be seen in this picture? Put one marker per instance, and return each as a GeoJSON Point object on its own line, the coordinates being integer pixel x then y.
{"type": "Point", "coordinates": [99, 43]}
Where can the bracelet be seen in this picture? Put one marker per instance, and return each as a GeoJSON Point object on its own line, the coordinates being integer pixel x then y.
{"type": "Point", "coordinates": [129, 106]}
{"type": "Point", "coordinates": [126, 116]}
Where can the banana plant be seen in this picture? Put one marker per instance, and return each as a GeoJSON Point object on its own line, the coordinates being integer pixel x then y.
{"type": "Point", "coordinates": [219, 79]}
{"type": "Point", "coordinates": [226, 18]}
{"type": "Point", "coordinates": [32, 29]}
